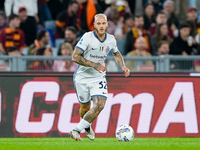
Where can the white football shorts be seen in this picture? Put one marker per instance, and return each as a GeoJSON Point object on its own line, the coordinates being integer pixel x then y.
{"type": "Point", "coordinates": [85, 91]}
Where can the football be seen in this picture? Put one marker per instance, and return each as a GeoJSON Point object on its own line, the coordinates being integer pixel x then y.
{"type": "Point", "coordinates": [124, 133]}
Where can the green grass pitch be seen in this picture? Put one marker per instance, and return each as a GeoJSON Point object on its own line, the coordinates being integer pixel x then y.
{"type": "Point", "coordinates": [99, 144]}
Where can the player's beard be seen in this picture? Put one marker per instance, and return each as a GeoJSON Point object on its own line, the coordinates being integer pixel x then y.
{"type": "Point", "coordinates": [99, 33]}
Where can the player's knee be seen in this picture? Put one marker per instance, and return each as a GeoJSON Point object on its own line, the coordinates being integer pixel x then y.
{"type": "Point", "coordinates": [85, 109]}
{"type": "Point", "coordinates": [82, 110]}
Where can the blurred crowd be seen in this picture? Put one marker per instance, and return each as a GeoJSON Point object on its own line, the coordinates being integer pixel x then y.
{"type": "Point", "coordinates": [141, 27]}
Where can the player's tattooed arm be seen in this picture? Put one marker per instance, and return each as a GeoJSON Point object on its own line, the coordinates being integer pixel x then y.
{"type": "Point", "coordinates": [79, 59]}
{"type": "Point", "coordinates": [119, 59]}
{"type": "Point", "coordinates": [98, 105]}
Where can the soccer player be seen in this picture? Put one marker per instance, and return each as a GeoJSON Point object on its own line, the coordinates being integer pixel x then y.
{"type": "Point", "coordinates": [89, 78]}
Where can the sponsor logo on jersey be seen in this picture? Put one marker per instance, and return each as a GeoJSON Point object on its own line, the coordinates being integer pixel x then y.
{"type": "Point", "coordinates": [98, 57]}
{"type": "Point", "coordinates": [94, 48]}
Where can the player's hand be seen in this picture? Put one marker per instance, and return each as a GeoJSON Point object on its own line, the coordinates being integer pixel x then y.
{"type": "Point", "coordinates": [99, 67]}
{"type": "Point", "coordinates": [126, 71]}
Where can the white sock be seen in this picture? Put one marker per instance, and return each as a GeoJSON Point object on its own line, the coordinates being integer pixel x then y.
{"type": "Point", "coordinates": [82, 125]}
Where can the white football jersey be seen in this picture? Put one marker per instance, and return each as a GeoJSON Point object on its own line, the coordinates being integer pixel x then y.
{"type": "Point", "coordinates": [94, 50]}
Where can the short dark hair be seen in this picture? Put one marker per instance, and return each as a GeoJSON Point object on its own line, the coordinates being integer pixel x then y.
{"type": "Point", "coordinates": [11, 49]}
{"type": "Point", "coordinates": [138, 16]}
{"type": "Point", "coordinates": [127, 16]}
{"type": "Point", "coordinates": [161, 43]}
{"type": "Point", "coordinates": [184, 25]}
{"type": "Point", "coordinates": [12, 16]}
{"type": "Point", "coordinates": [72, 2]}
{"type": "Point", "coordinates": [162, 13]}
{"type": "Point", "coordinates": [41, 34]}
{"type": "Point", "coordinates": [72, 28]}
{"type": "Point", "coordinates": [147, 4]}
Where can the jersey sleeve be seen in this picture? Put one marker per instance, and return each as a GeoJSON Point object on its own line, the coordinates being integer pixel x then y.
{"type": "Point", "coordinates": [83, 42]}
{"type": "Point", "coordinates": [114, 49]}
